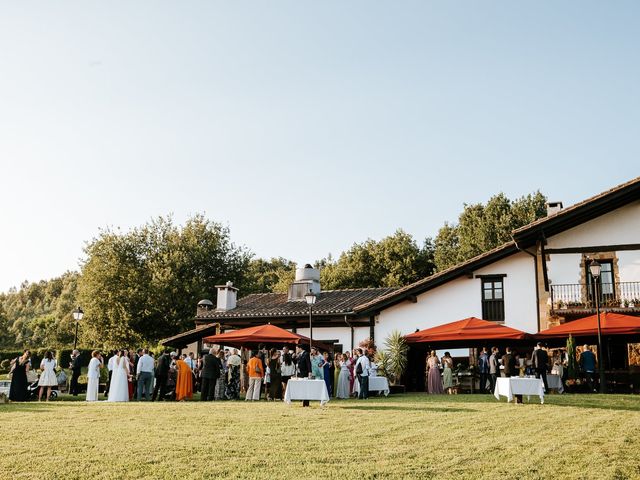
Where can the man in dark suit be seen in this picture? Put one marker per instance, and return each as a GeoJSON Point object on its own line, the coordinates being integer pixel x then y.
{"type": "Point", "coordinates": [76, 367]}
{"type": "Point", "coordinates": [162, 375]}
{"type": "Point", "coordinates": [210, 373]}
{"type": "Point", "coordinates": [509, 363]}
{"type": "Point", "coordinates": [540, 360]}
{"type": "Point", "coordinates": [303, 364]}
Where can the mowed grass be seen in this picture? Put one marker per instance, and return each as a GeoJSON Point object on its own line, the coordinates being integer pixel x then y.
{"type": "Point", "coordinates": [406, 436]}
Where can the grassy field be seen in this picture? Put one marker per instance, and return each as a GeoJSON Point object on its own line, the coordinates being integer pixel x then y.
{"type": "Point", "coordinates": [407, 436]}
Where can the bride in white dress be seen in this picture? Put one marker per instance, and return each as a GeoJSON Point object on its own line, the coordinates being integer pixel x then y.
{"type": "Point", "coordinates": [119, 387]}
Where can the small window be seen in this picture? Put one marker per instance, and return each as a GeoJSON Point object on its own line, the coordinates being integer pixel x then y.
{"type": "Point", "coordinates": [493, 298]}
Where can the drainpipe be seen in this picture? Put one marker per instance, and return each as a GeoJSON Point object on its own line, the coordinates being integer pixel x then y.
{"type": "Point", "coordinates": [351, 327]}
{"type": "Point", "coordinates": [535, 269]}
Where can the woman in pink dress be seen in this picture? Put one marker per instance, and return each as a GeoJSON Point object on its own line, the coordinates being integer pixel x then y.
{"type": "Point", "coordinates": [434, 381]}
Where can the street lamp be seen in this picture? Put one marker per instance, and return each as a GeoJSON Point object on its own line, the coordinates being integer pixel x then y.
{"type": "Point", "coordinates": [77, 316]}
{"type": "Point", "coordinates": [594, 268]}
{"type": "Point", "coordinates": [310, 299]}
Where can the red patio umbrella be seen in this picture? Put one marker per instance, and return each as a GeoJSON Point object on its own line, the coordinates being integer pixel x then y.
{"type": "Point", "coordinates": [267, 334]}
{"type": "Point", "coordinates": [470, 329]}
{"type": "Point", "coordinates": [610, 324]}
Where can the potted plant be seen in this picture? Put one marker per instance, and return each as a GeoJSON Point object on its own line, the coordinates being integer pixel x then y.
{"type": "Point", "coordinates": [395, 360]}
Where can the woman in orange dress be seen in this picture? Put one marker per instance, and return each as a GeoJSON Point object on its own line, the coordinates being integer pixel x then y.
{"type": "Point", "coordinates": [184, 383]}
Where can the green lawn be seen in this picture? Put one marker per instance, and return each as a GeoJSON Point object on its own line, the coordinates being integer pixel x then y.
{"type": "Point", "coordinates": [407, 436]}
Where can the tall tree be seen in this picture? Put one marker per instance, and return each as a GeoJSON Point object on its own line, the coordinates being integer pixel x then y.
{"type": "Point", "coordinates": [274, 275]}
{"type": "Point", "coordinates": [483, 227]}
{"type": "Point", "coordinates": [141, 286]}
{"type": "Point", "coordinates": [391, 262]}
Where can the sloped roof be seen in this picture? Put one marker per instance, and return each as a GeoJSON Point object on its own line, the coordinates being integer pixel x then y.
{"type": "Point", "coordinates": [579, 213]}
{"type": "Point", "coordinates": [525, 237]}
{"type": "Point", "coordinates": [439, 278]}
{"type": "Point", "coordinates": [266, 305]}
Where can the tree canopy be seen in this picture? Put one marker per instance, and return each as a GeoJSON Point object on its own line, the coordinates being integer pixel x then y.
{"type": "Point", "coordinates": [391, 262]}
{"type": "Point", "coordinates": [143, 285]}
{"type": "Point", "coordinates": [481, 228]}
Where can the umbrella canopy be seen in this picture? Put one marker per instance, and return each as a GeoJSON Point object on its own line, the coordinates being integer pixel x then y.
{"type": "Point", "coordinates": [267, 334]}
{"type": "Point", "coordinates": [610, 324]}
{"type": "Point", "coordinates": [470, 329]}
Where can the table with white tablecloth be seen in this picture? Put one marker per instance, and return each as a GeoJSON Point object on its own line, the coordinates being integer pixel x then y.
{"type": "Point", "coordinates": [306, 389]}
{"type": "Point", "coordinates": [376, 384]}
{"type": "Point", "coordinates": [512, 386]}
{"type": "Point", "coordinates": [555, 382]}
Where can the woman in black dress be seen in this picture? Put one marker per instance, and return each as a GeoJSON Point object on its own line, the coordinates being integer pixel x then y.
{"type": "Point", "coordinates": [275, 388]}
{"type": "Point", "coordinates": [18, 390]}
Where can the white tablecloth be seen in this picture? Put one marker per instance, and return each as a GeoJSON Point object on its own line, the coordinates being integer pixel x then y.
{"type": "Point", "coordinates": [553, 381]}
{"type": "Point", "coordinates": [376, 384]}
{"type": "Point", "coordinates": [510, 386]}
{"type": "Point", "coordinates": [304, 389]}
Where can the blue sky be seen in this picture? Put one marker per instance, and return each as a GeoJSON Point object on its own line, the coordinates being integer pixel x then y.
{"type": "Point", "coordinates": [303, 126]}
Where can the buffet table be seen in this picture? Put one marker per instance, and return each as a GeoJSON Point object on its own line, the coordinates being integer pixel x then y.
{"type": "Point", "coordinates": [512, 386]}
{"type": "Point", "coordinates": [305, 389]}
{"type": "Point", "coordinates": [376, 384]}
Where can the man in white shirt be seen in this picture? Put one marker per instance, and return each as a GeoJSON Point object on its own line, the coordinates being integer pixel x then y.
{"type": "Point", "coordinates": [362, 372]}
{"type": "Point", "coordinates": [189, 360]}
{"type": "Point", "coordinates": [144, 373]}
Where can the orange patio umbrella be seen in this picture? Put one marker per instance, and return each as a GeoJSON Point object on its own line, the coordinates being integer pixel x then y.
{"type": "Point", "coordinates": [470, 329]}
{"type": "Point", "coordinates": [267, 334]}
{"type": "Point", "coordinates": [610, 324]}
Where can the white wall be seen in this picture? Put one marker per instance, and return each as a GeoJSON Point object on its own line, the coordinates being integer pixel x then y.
{"type": "Point", "coordinates": [461, 298]}
{"type": "Point", "coordinates": [343, 334]}
{"type": "Point", "coordinates": [622, 226]}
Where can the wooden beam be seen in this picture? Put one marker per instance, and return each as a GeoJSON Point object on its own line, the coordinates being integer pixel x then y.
{"type": "Point", "coordinates": [595, 248]}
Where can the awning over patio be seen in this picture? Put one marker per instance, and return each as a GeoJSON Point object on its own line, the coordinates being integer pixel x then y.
{"type": "Point", "coordinates": [470, 329]}
{"type": "Point", "coordinates": [252, 336]}
{"type": "Point", "coordinates": [610, 324]}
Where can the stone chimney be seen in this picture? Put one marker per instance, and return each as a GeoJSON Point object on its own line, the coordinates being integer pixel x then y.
{"type": "Point", "coordinates": [227, 296]}
{"type": "Point", "coordinates": [307, 280]}
{"type": "Point", "coordinates": [553, 207]}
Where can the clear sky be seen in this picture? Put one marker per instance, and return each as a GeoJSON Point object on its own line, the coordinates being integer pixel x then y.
{"type": "Point", "coordinates": [303, 126]}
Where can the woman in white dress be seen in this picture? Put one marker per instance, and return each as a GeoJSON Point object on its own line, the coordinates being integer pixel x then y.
{"type": "Point", "coordinates": [119, 388]}
{"type": "Point", "coordinates": [48, 377]}
{"type": "Point", "coordinates": [93, 376]}
{"type": "Point", "coordinates": [342, 390]}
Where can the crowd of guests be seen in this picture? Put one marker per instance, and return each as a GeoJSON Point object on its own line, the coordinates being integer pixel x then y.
{"type": "Point", "coordinates": [495, 364]}
{"type": "Point", "coordinates": [269, 371]}
{"type": "Point", "coordinates": [219, 374]}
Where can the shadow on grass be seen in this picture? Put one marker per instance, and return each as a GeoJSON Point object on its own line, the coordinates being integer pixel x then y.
{"type": "Point", "coordinates": [406, 408]}
{"type": "Point", "coordinates": [629, 403]}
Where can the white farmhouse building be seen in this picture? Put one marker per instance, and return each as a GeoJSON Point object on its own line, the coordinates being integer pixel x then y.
{"type": "Point", "coordinates": [537, 280]}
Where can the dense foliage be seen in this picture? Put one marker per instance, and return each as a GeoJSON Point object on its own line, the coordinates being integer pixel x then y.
{"type": "Point", "coordinates": [394, 261]}
{"type": "Point", "coordinates": [39, 314]}
{"type": "Point", "coordinates": [140, 286]}
{"type": "Point", "coordinates": [481, 228]}
{"type": "Point", "coordinates": [143, 285]}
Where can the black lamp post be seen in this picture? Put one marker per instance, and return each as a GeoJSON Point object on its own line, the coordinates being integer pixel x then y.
{"type": "Point", "coordinates": [594, 268]}
{"type": "Point", "coordinates": [77, 316]}
{"type": "Point", "coordinates": [310, 299]}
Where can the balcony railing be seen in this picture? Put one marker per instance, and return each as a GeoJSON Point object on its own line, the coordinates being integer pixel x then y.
{"type": "Point", "coordinates": [580, 296]}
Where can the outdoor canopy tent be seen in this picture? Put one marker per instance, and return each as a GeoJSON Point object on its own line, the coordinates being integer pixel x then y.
{"type": "Point", "coordinates": [610, 324]}
{"type": "Point", "coordinates": [267, 334]}
{"type": "Point", "coordinates": [468, 330]}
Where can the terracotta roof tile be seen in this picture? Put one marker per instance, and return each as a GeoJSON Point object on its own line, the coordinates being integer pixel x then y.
{"type": "Point", "coordinates": [330, 302]}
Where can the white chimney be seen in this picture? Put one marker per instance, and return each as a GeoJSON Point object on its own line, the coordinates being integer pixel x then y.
{"type": "Point", "coordinates": [227, 296]}
{"type": "Point", "coordinates": [307, 280]}
{"type": "Point", "coordinates": [553, 207]}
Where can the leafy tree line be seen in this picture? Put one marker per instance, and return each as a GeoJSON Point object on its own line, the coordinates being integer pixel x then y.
{"type": "Point", "coordinates": [139, 286]}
